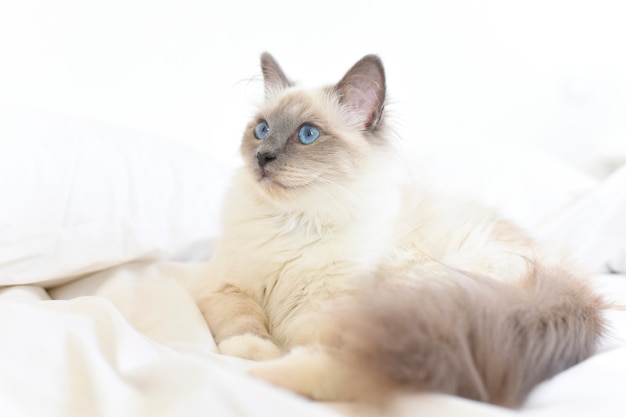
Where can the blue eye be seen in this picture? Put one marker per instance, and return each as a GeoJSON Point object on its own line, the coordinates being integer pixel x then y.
{"type": "Point", "coordinates": [308, 134]}
{"type": "Point", "coordinates": [261, 130]}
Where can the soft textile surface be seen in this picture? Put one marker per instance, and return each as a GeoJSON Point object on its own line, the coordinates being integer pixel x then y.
{"type": "Point", "coordinates": [98, 320]}
{"type": "Point", "coordinates": [79, 196]}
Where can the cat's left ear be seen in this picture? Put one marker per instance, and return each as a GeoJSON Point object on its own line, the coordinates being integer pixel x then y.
{"type": "Point", "coordinates": [273, 76]}
{"type": "Point", "coordinates": [362, 91]}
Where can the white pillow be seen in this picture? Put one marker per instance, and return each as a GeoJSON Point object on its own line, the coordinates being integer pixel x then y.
{"type": "Point", "coordinates": [78, 196]}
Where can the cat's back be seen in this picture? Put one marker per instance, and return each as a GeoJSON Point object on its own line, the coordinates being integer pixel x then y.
{"type": "Point", "coordinates": [434, 230]}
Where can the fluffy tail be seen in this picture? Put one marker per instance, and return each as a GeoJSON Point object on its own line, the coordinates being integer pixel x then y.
{"type": "Point", "coordinates": [470, 336]}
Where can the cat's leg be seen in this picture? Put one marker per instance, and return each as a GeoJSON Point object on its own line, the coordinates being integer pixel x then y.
{"type": "Point", "coordinates": [319, 366]}
{"type": "Point", "coordinates": [312, 371]}
{"type": "Point", "coordinates": [238, 324]}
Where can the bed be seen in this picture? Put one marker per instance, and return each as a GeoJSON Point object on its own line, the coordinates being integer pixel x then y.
{"type": "Point", "coordinates": [105, 233]}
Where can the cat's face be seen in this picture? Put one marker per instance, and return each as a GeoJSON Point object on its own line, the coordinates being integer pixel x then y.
{"type": "Point", "coordinates": [312, 140]}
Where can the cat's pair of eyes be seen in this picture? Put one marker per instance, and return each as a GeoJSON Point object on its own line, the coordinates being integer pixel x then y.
{"type": "Point", "coordinates": [307, 133]}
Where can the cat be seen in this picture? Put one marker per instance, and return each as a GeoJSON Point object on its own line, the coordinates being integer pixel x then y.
{"type": "Point", "coordinates": [347, 281]}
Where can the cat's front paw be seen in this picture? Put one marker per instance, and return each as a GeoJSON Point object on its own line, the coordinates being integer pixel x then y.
{"type": "Point", "coordinates": [249, 346]}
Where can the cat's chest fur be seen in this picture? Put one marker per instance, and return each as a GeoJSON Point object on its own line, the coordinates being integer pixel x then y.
{"type": "Point", "coordinates": [293, 262]}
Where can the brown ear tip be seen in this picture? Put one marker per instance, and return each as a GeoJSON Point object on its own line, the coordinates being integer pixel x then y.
{"type": "Point", "coordinates": [373, 65]}
{"type": "Point", "coordinates": [374, 59]}
{"type": "Point", "coordinates": [266, 57]}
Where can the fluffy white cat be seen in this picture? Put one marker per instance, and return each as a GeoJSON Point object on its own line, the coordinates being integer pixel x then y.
{"type": "Point", "coordinates": [357, 283]}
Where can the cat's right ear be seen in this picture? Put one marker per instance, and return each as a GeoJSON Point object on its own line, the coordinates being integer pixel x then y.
{"type": "Point", "coordinates": [362, 91]}
{"type": "Point", "coordinates": [273, 76]}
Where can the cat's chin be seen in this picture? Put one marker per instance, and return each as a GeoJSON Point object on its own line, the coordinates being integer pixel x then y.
{"type": "Point", "coordinates": [277, 189]}
{"type": "Point", "coordinates": [271, 185]}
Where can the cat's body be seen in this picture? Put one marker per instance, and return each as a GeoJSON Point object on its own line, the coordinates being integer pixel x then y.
{"type": "Point", "coordinates": [322, 223]}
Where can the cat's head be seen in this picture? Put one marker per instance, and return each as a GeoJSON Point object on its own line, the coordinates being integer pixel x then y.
{"type": "Point", "coordinates": [304, 140]}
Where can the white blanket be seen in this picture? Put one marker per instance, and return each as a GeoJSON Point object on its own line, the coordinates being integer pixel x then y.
{"type": "Point", "coordinates": [98, 320]}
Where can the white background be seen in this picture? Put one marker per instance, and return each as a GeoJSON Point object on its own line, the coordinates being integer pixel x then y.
{"type": "Point", "coordinates": [546, 74]}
